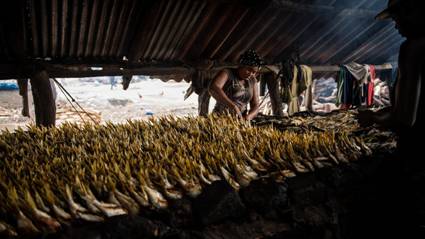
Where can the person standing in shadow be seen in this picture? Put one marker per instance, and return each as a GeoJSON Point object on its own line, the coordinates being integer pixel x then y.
{"type": "Point", "coordinates": [406, 117]}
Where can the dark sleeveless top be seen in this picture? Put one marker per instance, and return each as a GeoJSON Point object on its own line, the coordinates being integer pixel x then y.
{"type": "Point", "coordinates": [420, 117]}
{"type": "Point", "coordinates": [238, 92]}
{"type": "Point", "coordinates": [410, 142]}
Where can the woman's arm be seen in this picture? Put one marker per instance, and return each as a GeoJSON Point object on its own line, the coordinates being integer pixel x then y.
{"type": "Point", "coordinates": [254, 104]}
{"type": "Point", "coordinates": [216, 91]}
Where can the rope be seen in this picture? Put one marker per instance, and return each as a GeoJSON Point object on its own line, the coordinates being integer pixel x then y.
{"type": "Point", "coordinates": [264, 98]}
{"type": "Point", "coordinates": [76, 110]}
{"type": "Point", "coordinates": [67, 94]}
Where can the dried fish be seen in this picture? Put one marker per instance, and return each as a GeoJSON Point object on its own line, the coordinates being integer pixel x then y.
{"type": "Point", "coordinates": [57, 175]}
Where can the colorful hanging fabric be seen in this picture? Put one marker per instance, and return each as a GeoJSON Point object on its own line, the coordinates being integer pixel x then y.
{"type": "Point", "coordinates": [371, 86]}
{"type": "Point", "coordinates": [349, 92]}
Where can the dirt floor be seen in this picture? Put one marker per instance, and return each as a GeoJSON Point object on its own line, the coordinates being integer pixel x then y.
{"type": "Point", "coordinates": [144, 98]}
{"type": "Point", "coordinates": [10, 110]}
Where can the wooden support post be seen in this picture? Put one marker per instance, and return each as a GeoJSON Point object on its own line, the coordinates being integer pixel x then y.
{"type": "Point", "coordinates": [23, 91]}
{"type": "Point", "coordinates": [262, 85]}
{"type": "Point", "coordinates": [204, 102]}
{"type": "Point", "coordinates": [273, 87]}
{"type": "Point", "coordinates": [200, 84]}
{"type": "Point", "coordinates": [44, 98]}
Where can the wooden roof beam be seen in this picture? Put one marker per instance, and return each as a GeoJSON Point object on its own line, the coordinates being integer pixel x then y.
{"type": "Point", "coordinates": [65, 70]}
{"type": "Point", "coordinates": [334, 68]}
{"type": "Point", "coordinates": [293, 6]}
{"type": "Point", "coordinates": [16, 71]}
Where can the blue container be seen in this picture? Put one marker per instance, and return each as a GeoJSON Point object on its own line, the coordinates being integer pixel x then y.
{"type": "Point", "coordinates": [8, 86]}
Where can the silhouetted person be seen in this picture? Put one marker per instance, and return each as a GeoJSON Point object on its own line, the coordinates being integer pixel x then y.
{"type": "Point", "coordinates": [407, 117]}
{"type": "Point", "coordinates": [407, 114]}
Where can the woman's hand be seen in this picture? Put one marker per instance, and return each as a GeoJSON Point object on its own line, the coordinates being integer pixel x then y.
{"type": "Point", "coordinates": [383, 117]}
{"type": "Point", "coordinates": [366, 118]}
{"type": "Point", "coordinates": [237, 112]}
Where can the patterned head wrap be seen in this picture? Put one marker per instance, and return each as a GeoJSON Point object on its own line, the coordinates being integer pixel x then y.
{"type": "Point", "coordinates": [251, 58]}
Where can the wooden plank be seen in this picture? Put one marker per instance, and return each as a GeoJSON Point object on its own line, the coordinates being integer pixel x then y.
{"type": "Point", "coordinates": [65, 72]}
{"type": "Point", "coordinates": [13, 71]}
{"type": "Point", "coordinates": [337, 68]}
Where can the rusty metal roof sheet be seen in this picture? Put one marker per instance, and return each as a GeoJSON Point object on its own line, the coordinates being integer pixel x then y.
{"type": "Point", "coordinates": [187, 32]}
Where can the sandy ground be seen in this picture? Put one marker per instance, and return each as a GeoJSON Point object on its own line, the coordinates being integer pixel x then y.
{"type": "Point", "coordinates": [141, 99]}
{"type": "Point", "coordinates": [10, 110]}
{"type": "Point", "coordinates": [144, 99]}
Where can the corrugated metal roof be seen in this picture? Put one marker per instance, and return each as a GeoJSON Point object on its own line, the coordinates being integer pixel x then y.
{"type": "Point", "coordinates": [152, 32]}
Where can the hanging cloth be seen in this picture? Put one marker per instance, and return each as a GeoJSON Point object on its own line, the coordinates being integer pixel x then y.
{"type": "Point", "coordinates": [286, 75]}
{"type": "Point", "coordinates": [371, 86]}
{"type": "Point", "coordinates": [293, 106]}
{"type": "Point", "coordinates": [358, 90]}
{"type": "Point", "coordinates": [347, 94]}
{"type": "Point", "coordinates": [365, 87]}
{"type": "Point", "coordinates": [340, 85]}
{"type": "Point", "coordinates": [359, 77]}
{"type": "Point", "coordinates": [346, 89]}
{"type": "Point", "coordinates": [300, 81]}
{"type": "Point", "coordinates": [358, 71]}
{"type": "Point", "coordinates": [307, 74]}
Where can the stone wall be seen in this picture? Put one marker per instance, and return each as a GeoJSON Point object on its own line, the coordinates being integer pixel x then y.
{"type": "Point", "coordinates": [367, 199]}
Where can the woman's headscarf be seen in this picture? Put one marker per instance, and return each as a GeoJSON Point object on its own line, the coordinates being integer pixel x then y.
{"type": "Point", "coordinates": [251, 58]}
